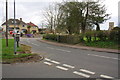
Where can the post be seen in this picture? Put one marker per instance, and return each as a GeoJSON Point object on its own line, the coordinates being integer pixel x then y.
{"type": "Point", "coordinates": [6, 23]}
{"type": "Point", "coordinates": [15, 48]}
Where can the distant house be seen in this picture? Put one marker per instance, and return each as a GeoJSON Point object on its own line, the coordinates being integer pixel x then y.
{"type": "Point", "coordinates": [19, 24]}
{"type": "Point", "coordinates": [33, 27]}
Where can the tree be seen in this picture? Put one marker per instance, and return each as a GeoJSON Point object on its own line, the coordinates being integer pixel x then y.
{"type": "Point", "coordinates": [28, 29]}
{"type": "Point", "coordinates": [97, 14]}
{"type": "Point", "coordinates": [75, 16]}
{"type": "Point", "coordinates": [83, 15]}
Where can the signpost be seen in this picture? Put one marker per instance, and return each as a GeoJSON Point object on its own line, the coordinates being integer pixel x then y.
{"type": "Point", "coordinates": [6, 23]}
{"type": "Point", "coordinates": [15, 31]}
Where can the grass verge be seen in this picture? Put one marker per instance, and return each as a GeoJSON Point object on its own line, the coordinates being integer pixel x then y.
{"type": "Point", "coordinates": [103, 44]}
{"type": "Point", "coordinates": [8, 55]}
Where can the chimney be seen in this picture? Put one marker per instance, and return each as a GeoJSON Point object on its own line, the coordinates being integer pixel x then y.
{"type": "Point", "coordinates": [20, 19]}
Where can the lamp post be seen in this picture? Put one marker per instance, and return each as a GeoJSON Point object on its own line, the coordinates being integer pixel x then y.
{"type": "Point", "coordinates": [6, 23]}
{"type": "Point", "coordinates": [15, 47]}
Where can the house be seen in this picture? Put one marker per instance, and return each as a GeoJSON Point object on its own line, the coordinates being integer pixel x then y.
{"type": "Point", "coordinates": [33, 27]}
{"type": "Point", "coordinates": [19, 24]}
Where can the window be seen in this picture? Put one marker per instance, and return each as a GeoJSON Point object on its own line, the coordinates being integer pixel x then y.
{"type": "Point", "coordinates": [23, 25]}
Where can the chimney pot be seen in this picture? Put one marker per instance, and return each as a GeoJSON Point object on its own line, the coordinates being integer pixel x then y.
{"type": "Point", "coordinates": [20, 19]}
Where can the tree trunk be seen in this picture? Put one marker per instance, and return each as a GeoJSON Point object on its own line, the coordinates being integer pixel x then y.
{"type": "Point", "coordinates": [97, 27]}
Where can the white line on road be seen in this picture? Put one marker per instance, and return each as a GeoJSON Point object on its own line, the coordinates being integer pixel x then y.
{"type": "Point", "coordinates": [81, 74]}
{"type": "Point", "coordinates": [105, 76]}
{"type": "Point", "coordinates": [56, 62]}
{"type": "Point", "coordinates": [50, 47]}
{"type": "Point", "coordinates": [47, 63]}
{"type": "Point", "coordinates": [63, 50]}
{"type": "Point", "coordinates": [62, 68]}
{"type": "Point", "coordinates": [53, 61]}
{"type": "Point", "coordinates": [87, 71]}
{"type": "Point", "coordinates": [47, 59]}
{"type": "Point", "coordinates": [69, 66]}
{"type": "Point", "coordinates": [103, 56]}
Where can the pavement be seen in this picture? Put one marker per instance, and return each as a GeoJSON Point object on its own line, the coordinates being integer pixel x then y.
{"type": "Point", "coordinates": [82, 47]}
{"type": "Point", "coordinates": [64, 62]}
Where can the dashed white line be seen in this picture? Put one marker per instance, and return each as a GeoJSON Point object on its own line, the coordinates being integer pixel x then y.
{"type": "Point", "coordinates": [87, 71]}
{"type": "Point", "coordinates": [103, 56]}
{"type": "Point", "coordinates": [69, 66]}
{"type": "Point", "coordinates": [105, 76]}
{"type": "Point", "coordinates": [62, 68]}
{"type": "Point", "coordinates": [50, 47]}
{"type": "Point", "coordinates": [63, 50]}
{"type": "Point", "coordinates": [53, 61]}
{"type": "Point", "coordinates": [81, 74]}
{"type": "Point", "coordinates": [47, 63]}
{"type": "Point", "coordinates": [56, 62]}
{"type": "Point", "coordinates": [47, 59]}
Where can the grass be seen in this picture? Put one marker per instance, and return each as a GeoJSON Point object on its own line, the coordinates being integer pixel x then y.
{"type": "Point", "coordinates": [8, 52]}
{"type": "Point", "coordinates": [103, 44]}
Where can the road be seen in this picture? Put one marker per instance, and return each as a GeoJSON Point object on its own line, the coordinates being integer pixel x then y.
{"type": "Point", "coordinates": [64, 62]}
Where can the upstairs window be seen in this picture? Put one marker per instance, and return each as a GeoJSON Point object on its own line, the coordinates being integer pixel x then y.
{"type": "Point", "coordinates": [23, 26]}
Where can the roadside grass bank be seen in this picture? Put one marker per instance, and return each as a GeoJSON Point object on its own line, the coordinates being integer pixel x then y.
{"type": "Point", "coordinates": [23, 53]}
{"type": "Point", "coordinates": [97, 42]}
{"type": "Point", "coordinates": [102, 44]}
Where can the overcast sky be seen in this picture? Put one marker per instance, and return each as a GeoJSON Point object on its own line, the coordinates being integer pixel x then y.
{"type": "Point", "coordinates": [32, 10]}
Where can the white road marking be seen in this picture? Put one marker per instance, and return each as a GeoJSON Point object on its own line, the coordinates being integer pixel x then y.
{"type": "Point", "coordinates": [50, 47]}
{"type": "Point", "coordinates": [59, 49]}
{"type": "Point", "coordinates": [105, 76]}
{"type": "Point", "coordinates": [81, 74]}
{"type": "Point", "coordinates": [62, 68]}
{"type": "Point", "coordinates": [53, 61]}
{"type": "Point", "coordinates": [103, 56]}
{"type": "Point", "coordinates": [47, 63]}
{"type": "Point", "coordinates": [69, 66]}
{"type": "Point", "coordinates": [47, 59]}
{"type": "Point", "coordinates": [35, 44]}
{"type": "Point", "coordinates": [87, 71]}
{"type": "Point", "coordinates": [63, 50]}
{"type": "Point", "coordinates": [56, 62]}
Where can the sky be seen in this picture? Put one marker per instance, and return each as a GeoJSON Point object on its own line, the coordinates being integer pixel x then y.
{"type": "Point", "coordinates": [33, 10]}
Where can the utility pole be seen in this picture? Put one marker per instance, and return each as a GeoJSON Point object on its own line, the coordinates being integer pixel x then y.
{"type": "Point", "coordinates": [6, 23]}
{"type": "Point", "coordinates": [15, 47]}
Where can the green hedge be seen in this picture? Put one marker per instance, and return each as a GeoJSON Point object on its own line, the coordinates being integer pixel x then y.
{"type": "Point", "coordinates": [69, 39]}
{"type": "Point", "coordinates": [90, 36]}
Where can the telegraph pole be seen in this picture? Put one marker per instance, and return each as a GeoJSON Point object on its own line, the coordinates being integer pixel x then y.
{"type": "Point", "coordinates": [6, 23]}
{"type": "Point", "coordinates": [15, 47]}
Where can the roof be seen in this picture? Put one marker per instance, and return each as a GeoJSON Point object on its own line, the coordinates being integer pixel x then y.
{"type": "Point", "coordinates": [31, 24]}
{"type": "Point", "coordinates": [11, 22]}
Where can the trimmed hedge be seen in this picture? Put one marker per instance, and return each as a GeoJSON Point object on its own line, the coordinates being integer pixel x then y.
{"type": "Point", "coordinates": [69, 39]}
{"type": "Point", "coordinates": [90, 36]}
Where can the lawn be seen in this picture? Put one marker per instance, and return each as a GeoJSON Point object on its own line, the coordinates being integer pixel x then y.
{"type": "Point", "coordinates": [8, 52]}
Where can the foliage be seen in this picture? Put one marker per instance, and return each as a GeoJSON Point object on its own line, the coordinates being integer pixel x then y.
{"type": "Point", "coordinates": [70, 39]}
{"type": "Point", "coordinates": [115, 35]}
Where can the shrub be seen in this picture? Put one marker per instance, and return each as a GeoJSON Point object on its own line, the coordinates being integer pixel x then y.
{"type": "Point", "coordinates": [102, 35]}
{"type": "Point", "coordinates": [50, 37]}
{"type": "Point", "coordinates": [70, 39]}
{"type": "Point", "coordinates": [115, 35]}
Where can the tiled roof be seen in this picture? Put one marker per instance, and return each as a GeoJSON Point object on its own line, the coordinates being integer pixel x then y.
{"type": "Point", "coordinates": [17, 22]}
{"type": "Point", "coordinates": [31, 24]}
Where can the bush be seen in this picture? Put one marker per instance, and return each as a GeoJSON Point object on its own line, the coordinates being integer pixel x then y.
{"type": "Point", "coordinates": [102, 35]}
{"type": "Point", "coordinates": [50, 37]}
{"type": "Point", "coordinates": [115, 35]}
{"type": "Point", "coordinates": [70, 39]}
